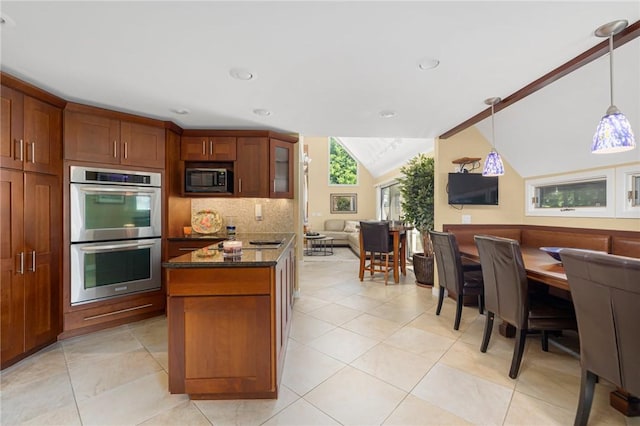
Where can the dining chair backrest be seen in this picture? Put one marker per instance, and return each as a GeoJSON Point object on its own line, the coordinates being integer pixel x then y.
{"type": "Point", "coordinates": [505, 278]}
{"type": "Point", "coordinates": [605, 289]}
{"type": "Point", "coordinates": [448, 262]}
{"type": "Point", "coordinates": [375, 237]}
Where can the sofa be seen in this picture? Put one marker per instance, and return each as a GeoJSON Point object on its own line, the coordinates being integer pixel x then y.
{"type": "Point", "coordinates": [344, 233]}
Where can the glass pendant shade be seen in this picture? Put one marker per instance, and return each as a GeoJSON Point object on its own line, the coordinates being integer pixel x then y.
{"type": "Point", "coordinates": [493, 165]}
{"type": "Point", "coordinates": [613, 134]}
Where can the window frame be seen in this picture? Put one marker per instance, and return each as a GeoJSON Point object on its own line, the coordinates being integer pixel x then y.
{"type": "Point", "coordinates": [624, 181]}
{"type": "Point", "coordinates": [608, 211]}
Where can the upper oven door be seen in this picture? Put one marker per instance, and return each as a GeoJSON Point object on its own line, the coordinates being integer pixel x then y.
{"type": "Point", "coordinates": [112, 212]}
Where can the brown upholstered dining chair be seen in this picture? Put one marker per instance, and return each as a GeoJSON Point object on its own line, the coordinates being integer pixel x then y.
{"type": "Point", "coordinates": [462, 280]}
{"type": "Point", "coordinates": [606, 294]}
{"type": "Point", "coordinates": [506, 294]}
{"type": "Point", "coordinates": [377, 249]}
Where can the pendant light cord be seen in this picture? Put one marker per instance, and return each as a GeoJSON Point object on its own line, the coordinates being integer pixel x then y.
{"type": "Point", "coordinates": [493, 127]}
{"type": "Point", "coordinates": [611, 65]}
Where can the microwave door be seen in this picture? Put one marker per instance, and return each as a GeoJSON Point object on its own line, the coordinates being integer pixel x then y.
{"type": "Point", "coordinates": [112, 212]}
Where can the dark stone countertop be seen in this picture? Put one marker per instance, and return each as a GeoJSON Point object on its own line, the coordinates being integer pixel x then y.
{"type": "Point", "coordinates": [199, 237]}
{"type": "Point", "coordinates": [252, 255]}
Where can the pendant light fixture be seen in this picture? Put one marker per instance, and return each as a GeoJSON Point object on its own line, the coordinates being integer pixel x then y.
{"type": "Point", "coordinates": [493, 164]}
{"type": "Point", "coordinates": [614, 132]}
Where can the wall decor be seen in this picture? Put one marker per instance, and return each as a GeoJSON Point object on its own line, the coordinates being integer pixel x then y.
{"type": "Point", "coordinates": [344, 203]}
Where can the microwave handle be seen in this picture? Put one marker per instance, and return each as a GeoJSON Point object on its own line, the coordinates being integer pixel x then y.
{"type": "Point", "coordinates": [115, 247]}
{"type": "Point", "coordinates": [119, 189]}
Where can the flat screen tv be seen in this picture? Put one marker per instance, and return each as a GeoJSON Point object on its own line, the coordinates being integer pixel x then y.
{"type": "Point", "coordinates": [472, 188]}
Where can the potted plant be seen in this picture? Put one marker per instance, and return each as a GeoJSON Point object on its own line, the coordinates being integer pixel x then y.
{"type": "Point", "coordinates": [417, 189]}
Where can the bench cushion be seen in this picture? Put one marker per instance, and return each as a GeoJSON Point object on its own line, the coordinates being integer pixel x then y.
{"type": "Point", "coordinates": [465, 237]}
{"type": "Point", "coordinates": [541, 238]}
{"type": "Point", "coordinates": [626, 246]}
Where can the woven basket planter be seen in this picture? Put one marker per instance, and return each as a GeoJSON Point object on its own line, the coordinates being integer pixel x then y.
{"type": "Point", "coordinates": [423, 269]}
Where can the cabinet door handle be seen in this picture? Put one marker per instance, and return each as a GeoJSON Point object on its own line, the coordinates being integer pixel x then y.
{"type": "Point", "coordinates": [33, 152]}
{"type": "Point", "coordinates": [211, 148]}
{"type": "Point", "coordinates": [126, 151]}
{"type": "Point", "coordinates": [21, 149]}
{"type": "Point", "coordinates": [33, 261]}
{"type": "Point", "coordinates": [239, 185]}
{"type": "Point", "coordinates": [21, 269]}
{"type": "Point", "coordinates": [274, 185]}
{"type": "Point", "coordinates": [115, 149]}
{"type": "Point", "coordinates": [204, 147]}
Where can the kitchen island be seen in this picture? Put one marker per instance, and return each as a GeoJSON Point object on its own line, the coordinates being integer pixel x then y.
{"type": "Point", "coordinates": [229, 318]}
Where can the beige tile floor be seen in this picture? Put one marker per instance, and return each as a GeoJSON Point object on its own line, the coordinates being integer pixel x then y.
{"type": "Point", "coordinates": [358, 354]}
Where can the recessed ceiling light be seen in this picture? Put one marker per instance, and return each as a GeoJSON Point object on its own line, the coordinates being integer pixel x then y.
{"type": "Point", "coordinates": [428, 63]}
{"type": "Point", "coordinates": [241, 74]}
{"type": "Point", "coordinates": [181, 111]}
{"type": "Point", "coordinates": [7, 21]}
{"type": "Point", "coordinates": [262, 112]}
{"type": "Point", "coordinates": [387, 114]}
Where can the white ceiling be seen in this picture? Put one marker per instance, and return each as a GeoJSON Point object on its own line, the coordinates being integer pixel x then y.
{"type": "Point", "coordinates": [329, 68]}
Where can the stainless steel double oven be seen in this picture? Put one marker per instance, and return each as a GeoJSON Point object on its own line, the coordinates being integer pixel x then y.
{"type": "Point", "coordinates": [116, 227]}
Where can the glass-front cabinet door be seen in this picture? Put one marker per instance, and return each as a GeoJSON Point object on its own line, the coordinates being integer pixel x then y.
{"type": "Point", "coordinates": [280, 169]}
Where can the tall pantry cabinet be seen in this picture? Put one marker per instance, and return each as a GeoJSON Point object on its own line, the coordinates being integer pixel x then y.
{"type": "Point", "coordinates": [30, 219]}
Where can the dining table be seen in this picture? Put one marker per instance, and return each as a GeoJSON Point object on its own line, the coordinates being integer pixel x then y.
{"type": "Point", "coordinates": [538, 264]}
{"type": "Point", "coordinates": [541, 267]}
{"type": "Point", "coordinates": [399, 234]}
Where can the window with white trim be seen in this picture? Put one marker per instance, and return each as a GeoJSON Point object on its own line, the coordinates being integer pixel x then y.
{"type": "Point", "coordinates": [628, 180]}
{"type": "Point", "coordinates": [585, 194]}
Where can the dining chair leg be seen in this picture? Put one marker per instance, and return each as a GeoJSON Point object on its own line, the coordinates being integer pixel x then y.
{"type": "Point", "coordinates": [587, 386]}
{"type": "Point", "coordinates": [386, 268]}
{"type": "Point", "coordinates": [488, 326]}
{"type": "Point", "coordinates": [481, 304]}
{"type": "Point", "coordinates": [545, 341]}
{"type": "Point", "coordinates": [373, 265]}
{"type": "Point", "coordinates": [459, 302]}
{"type": "Point", "coordinates": [440, 299]}
{"type": "Point", "coordinates": [518, 350]}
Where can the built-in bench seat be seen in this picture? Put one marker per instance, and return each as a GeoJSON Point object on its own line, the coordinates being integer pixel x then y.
{"type": "Point", "coordinates": [623, 243]}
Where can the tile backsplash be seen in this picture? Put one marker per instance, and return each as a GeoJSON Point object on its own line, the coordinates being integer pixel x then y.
{"type": "Point", "coordinates": [277, 214]}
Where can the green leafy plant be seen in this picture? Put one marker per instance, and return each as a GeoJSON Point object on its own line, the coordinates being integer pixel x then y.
{"type": "Point", "coordinates": [417, 189]}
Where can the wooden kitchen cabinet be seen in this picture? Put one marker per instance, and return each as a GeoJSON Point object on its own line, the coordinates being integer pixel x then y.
{"type": "Point", "coordinates": [107, 140]}
{"type": "Point", "coordinates": [280, 169]}
{"type": "Point", "coordinates": [30, 138]}
{"type": "Point", "coordinates": [251, 172]}
{"type": "Point", "coordinates": [226, 344]}
{"type": "Point", "coordinates": [31, 263]}
{"type": "Point", "coordinates": [208, 148]}
{"type": "Point", "coordinates": [229, 327]}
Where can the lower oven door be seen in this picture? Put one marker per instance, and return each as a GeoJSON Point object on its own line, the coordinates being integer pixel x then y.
{"type": "Point", "coordinates": [114, 268]}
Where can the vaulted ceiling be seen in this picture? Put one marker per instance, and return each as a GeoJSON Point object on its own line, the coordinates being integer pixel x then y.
{"type": "Point", "coordinates": [347, 69]}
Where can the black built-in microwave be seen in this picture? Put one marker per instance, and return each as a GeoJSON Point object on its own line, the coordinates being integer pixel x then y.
{"type": "Point", "coordinates": [199, 180]}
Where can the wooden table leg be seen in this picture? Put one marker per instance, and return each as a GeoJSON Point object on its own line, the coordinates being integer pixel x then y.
{"type": "Point", "coordinates": [507, 330]}
{"type": "Point", "coordinates": [362, 258]}
{"type": "Point", "coordinates": [396, 253]}
{"type": "Point", "coordinates": [403, 254]}
{"type": "Point", "coordinates": [624, 402]}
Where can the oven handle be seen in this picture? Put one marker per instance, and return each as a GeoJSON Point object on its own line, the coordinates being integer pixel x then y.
{"type": "Point", "coordinates": [119, 189]}
{"type": "Point", "coordinates": [115, 247]}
